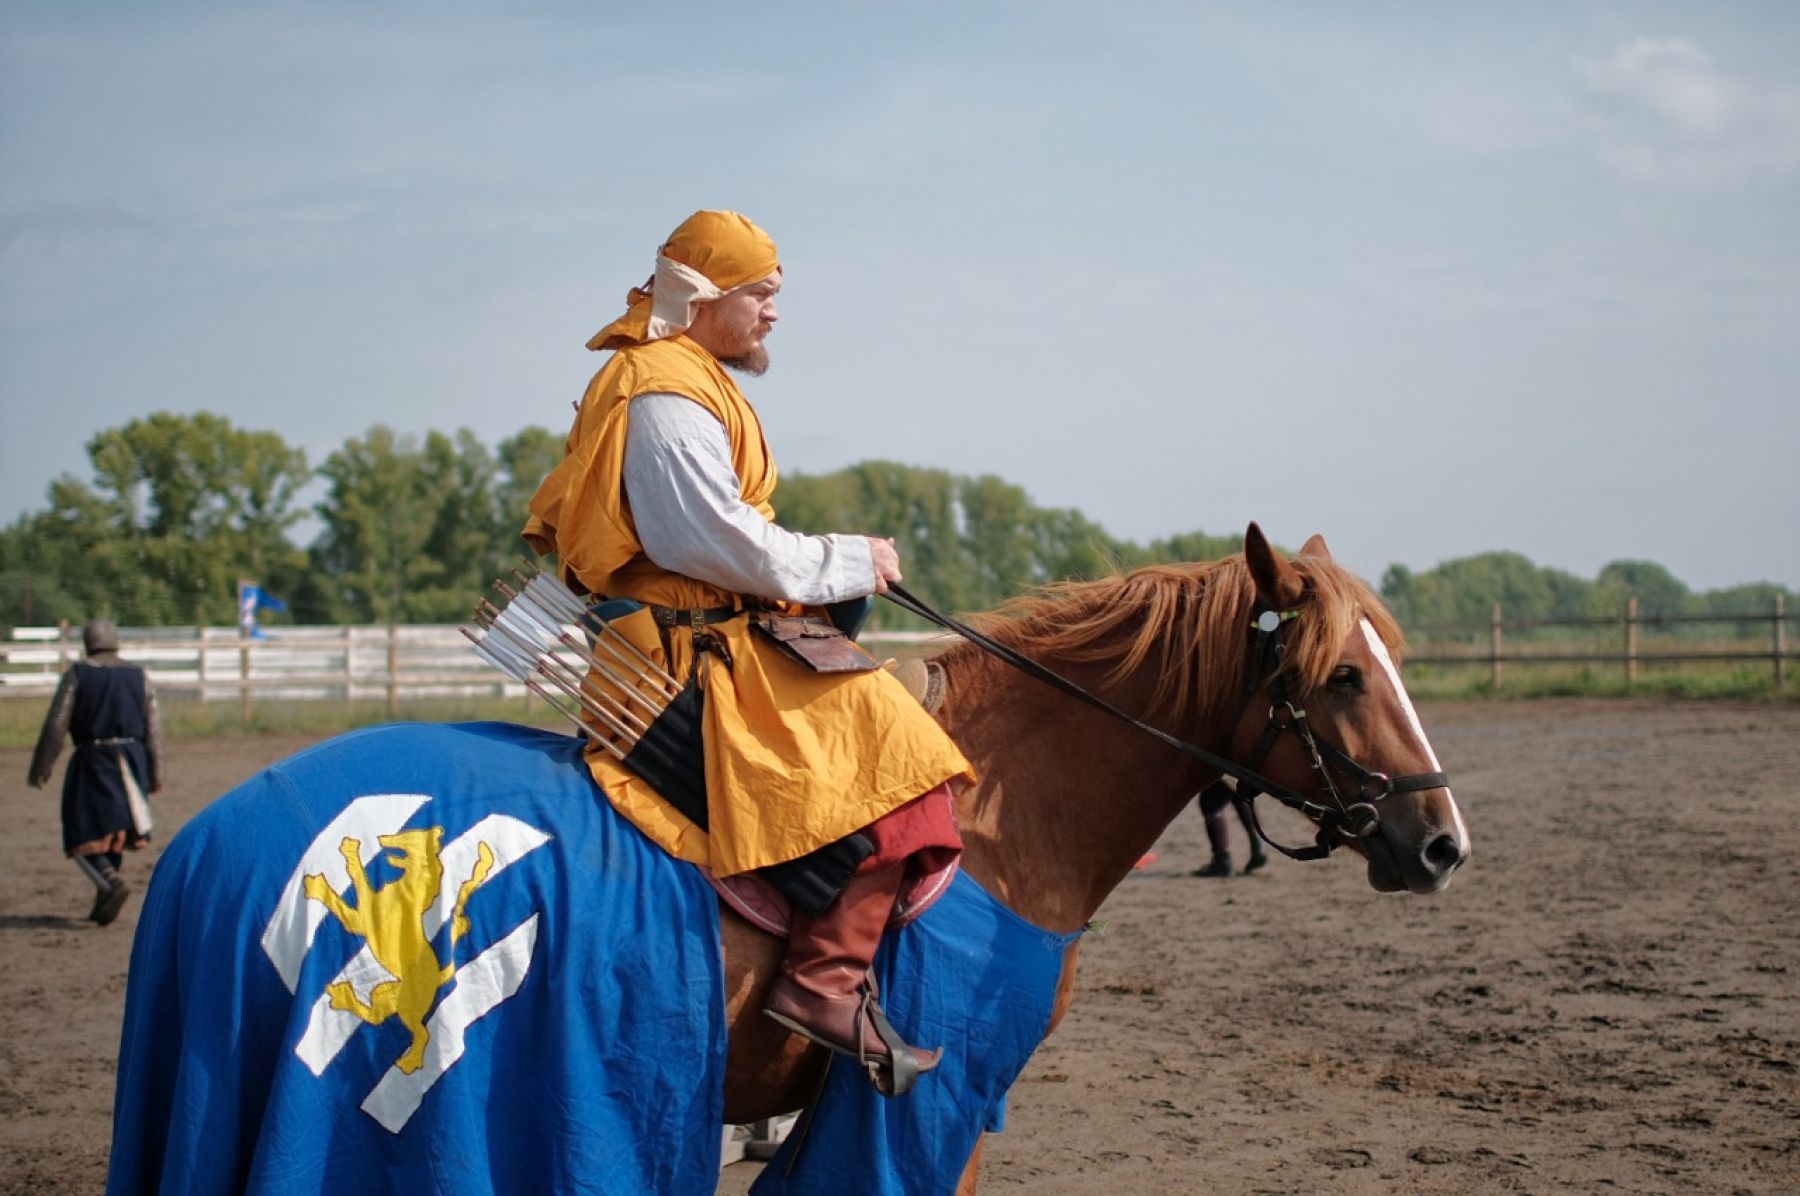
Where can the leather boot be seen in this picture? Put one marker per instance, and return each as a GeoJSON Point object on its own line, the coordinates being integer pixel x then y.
{"type": "Point", "coordinates": [1257, 859]}
{"type": "Point", "coordinates": [1220, 866]}
{"type": "Point", "coordinates": [825, 992]}
{"type": "Point", "coordinates": [108, 904]}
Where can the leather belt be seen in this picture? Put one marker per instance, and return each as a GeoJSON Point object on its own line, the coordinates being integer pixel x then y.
{"type": "Point", "coordinates": [113, 742]}
{"type": "Point", "coordinates": [676, 616]}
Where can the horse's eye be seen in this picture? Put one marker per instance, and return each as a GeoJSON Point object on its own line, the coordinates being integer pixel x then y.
{"type": "Point", "coordinates": [1346, 676]}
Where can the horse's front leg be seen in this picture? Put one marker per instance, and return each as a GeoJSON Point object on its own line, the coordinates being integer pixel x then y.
{"type": "Point", "coordinates": [971, 1175]}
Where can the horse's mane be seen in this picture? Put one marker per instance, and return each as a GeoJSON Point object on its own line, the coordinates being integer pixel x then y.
{"type": "Point", "coordinates": [1188, 622]}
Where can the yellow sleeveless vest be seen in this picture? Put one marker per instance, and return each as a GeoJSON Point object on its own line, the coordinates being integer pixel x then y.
{"type": "Point", "coordinates": [794, 759]}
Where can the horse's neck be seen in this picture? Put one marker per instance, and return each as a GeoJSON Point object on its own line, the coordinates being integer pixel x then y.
{"type": "Point", "coordinates": [1067, 798]}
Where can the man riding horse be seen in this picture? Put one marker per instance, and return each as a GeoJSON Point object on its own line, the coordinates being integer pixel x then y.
{"type": "Point", "coordinates": [663, 498]}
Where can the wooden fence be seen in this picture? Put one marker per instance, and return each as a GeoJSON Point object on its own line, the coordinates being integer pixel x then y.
{"type": "Point", "coordinates": [343, 663]}
{"type": "Point", "coordinates": [395, 664]}
{"type": "Point", "coordinates": [1487, 644]}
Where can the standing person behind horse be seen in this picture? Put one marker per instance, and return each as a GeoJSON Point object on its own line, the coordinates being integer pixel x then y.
{"type": "Point", "coordinates": [1213, 800]}
{"type": "Point", "coordinates": [663, 497]}
{"type": "Point", "coordinates": [109, 708]}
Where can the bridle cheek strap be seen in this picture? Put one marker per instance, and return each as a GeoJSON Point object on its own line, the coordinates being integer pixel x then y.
{"type": "Point", "coordinates": [1340, 821]}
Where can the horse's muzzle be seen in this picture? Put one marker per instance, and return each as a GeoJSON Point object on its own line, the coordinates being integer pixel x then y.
{"type": "Point", "coordinates": [1414, 864]}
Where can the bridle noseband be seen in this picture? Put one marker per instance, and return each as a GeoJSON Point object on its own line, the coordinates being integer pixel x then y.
{"type": "Point", "coordinates": [1341, 820]}
{"type": "Point", "coordinates": [1338, 823]}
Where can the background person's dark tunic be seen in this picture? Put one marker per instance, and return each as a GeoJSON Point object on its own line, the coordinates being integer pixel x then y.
{"type": "Point", "coordinates": [106, 705]}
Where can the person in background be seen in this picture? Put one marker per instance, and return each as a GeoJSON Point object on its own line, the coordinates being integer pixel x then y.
{"type": "Point", "coordinates": [109, 708]}
{"type": "Point", "coordinates": [1213, 800]}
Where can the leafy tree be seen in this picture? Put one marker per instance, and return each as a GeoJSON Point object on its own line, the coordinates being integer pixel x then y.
{"type": "Point", "coordinates": [966, 543]}
{"type": "Point", "coordinates": [180, 507]}
{"type": "Point", "coordinates": [524, 460]}
{"type": "Point", "coordinates": [416, 531]}
{"type": "Point", "coordinates": [1753, 598]}
{"type": "Point", "coordinates": [1657, 591]}
{"type": "Point", "coordinates": [379, 513]}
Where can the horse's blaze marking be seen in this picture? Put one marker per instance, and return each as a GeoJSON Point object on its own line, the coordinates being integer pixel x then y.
{"type": "Point", "coordinates": [1380, 652]}
{"type": "Point", "coordinates": [397, 972]}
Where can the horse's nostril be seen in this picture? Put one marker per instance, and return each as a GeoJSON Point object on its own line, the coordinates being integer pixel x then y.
{"type": "Point", "coordinates": [1443, 854]}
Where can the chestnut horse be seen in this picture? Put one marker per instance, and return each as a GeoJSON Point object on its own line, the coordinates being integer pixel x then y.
{"type": "Point", "coordinates": [1070, 798]}
{"type": "Point", "coordinates": [288, 1013]}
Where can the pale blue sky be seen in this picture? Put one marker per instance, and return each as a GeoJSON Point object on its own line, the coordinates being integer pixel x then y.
{"type": "Point", "coordinates": [1429, 278]}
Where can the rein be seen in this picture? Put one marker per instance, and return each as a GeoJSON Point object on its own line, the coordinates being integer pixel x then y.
{"type": "Point", "coordinates": [1357, 820]}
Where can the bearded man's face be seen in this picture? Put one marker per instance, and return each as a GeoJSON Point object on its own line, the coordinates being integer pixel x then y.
{"type": "Point", "coordinates": [732, 328]}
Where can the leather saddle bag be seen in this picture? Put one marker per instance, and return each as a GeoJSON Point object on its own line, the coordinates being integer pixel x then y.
{"type": "Point", "coordinates": [812, 641]}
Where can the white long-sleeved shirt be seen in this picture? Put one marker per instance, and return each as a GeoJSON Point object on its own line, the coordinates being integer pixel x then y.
{"type": "Point", "coordinates": [690, 518]}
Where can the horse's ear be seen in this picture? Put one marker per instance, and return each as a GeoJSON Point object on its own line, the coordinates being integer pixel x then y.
{"type": "Point", "coordinates": [1278, 583]}
{"type": "Point", "coordinates": [1315, 546]}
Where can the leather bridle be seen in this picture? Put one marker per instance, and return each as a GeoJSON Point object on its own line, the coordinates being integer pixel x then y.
{"type": "Point", "coordinates": [1341, 820]}
{"type": "Point", "coordinates": [1338, 822]}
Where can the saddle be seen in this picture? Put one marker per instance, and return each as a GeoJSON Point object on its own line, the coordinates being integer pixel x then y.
{"type": "Point", "coordinates": [923, 679]}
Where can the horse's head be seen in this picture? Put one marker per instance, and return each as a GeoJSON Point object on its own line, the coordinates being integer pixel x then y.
{"type": "Point", "coordinates": [1329, 718]}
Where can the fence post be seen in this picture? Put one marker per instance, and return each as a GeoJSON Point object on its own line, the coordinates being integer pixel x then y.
{"type": "Point", "coordinates": [244, 680]}
{"type": "Point", "coordinates": [393, 680]}
{"type": "Point", "coordinates": [200, 660]}
{"type": "Point", "coordinates": [1631, 641]}
{"type": "Point", "coordinates": [1780, 640]}
{"type": "Point", "coordinates": [62, 646]}
{"type": "Point", "coordinates": [1494, 639]}
{"type": "Point", "coordinates": [349, 664]}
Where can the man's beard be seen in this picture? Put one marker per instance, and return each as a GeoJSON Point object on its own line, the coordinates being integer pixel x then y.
{"type": "Point", "coordinates": [754, 360]}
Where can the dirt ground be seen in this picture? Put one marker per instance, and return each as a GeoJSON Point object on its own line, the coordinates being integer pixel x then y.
{"type": "Point", "coordinates": [1608, 999]}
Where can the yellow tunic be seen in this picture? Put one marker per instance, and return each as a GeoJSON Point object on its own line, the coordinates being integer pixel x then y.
{"type": "Point", "coordinates": [794, 759]}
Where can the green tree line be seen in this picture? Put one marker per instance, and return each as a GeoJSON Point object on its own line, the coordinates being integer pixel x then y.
{"type": "Point", "coordinates": [1463, 591]}
{"type": "Point", "coordinates": [179, 507]}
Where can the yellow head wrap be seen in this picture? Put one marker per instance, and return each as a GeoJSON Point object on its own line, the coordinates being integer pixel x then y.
{"type": "Point", "coordinates": [709, 254]}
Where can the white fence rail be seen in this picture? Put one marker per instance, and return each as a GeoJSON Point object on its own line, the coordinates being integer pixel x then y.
{"type": "Point", "coordinates": [342, 663]}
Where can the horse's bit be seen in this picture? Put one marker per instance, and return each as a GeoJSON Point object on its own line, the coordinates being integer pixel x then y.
{"type": "Point", "coordinates": [1338, 822]}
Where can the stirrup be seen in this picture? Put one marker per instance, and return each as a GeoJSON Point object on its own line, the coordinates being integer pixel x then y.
{"type": "Point", "coordinates": [904, 1061]}
{"type": "Point", "coordinates": [892, 1076]}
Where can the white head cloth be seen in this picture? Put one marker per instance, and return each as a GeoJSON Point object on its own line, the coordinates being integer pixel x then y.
{"type": "Point", "coordinates": [674, 293]}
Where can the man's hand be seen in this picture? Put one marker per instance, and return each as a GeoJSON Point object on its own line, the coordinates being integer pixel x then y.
{"type": "Point", "coordinates": [887, 562]}
{"type": "Point", "coordinates": [36, 782]}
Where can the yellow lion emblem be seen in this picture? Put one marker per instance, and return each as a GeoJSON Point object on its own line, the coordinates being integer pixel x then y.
{"type": "Point", "coordinates": [392, 921]}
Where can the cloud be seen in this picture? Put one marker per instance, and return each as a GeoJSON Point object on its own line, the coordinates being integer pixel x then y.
{"type": "Point", "coordinates": [1663, 110]}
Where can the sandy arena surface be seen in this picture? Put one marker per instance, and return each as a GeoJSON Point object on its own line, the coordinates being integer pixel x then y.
{"type": "Point", "coordinates": [1606, 1000]}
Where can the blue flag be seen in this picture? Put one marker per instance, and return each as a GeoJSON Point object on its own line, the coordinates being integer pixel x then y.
{"type": "Point", "coordinates": [251, 599]}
